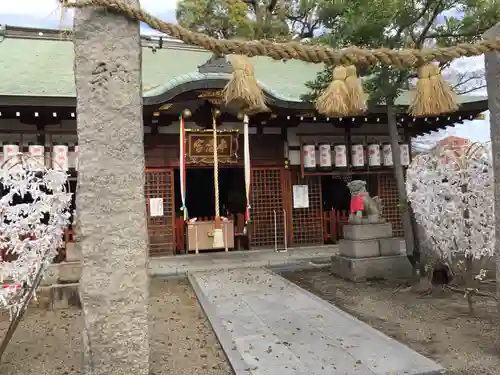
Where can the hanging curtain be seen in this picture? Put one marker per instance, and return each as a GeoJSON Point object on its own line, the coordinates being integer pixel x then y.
{"type": "Point", "coordinates": [246, 157]}
{"type": "Point", "coordinates": [182, 167]}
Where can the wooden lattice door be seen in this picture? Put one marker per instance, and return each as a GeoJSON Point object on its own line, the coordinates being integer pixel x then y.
{"type": "Point", "coordinates": [268, 211]}
{"type": "Point", "coordinates": [388, 192]}
{"type": "Point", "coordinates": [308, 222]}
{"type": "Point", "coordinates": [160, 184]}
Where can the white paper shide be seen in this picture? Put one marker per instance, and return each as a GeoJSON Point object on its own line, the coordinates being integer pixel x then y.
{"type": "Point", "coordinates": [31, 228]}
{"type": "Point", "coordinates": [451, 194]}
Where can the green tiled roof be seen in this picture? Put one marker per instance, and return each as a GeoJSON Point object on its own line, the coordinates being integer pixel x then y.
{"type": "Point", "coordinates": [44, 68]}
{"type": "Point", "coordinates": [31, 67]}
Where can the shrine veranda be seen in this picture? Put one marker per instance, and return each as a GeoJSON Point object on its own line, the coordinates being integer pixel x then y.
{"type": "Point", "coordinates": [300, 161]}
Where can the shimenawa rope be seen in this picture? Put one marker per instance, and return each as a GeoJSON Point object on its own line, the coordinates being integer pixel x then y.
{"type": "Point", "coordinates": [399, 58]}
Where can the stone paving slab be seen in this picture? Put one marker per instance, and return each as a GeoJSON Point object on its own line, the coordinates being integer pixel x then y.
{"type": "Point", "coordinates": [166, 266]}
{"type": "Point", "coordinates": [268, 325]}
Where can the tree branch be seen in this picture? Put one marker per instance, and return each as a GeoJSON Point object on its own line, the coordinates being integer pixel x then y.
{"type": "Point", "coordinates": [412, 21]}
{"type": "Point", "coordinates": [426, 28]}
{"type": "Point", "coordinates": [469, 34]}
{"type": "Point", "coordinates": [463, 92]}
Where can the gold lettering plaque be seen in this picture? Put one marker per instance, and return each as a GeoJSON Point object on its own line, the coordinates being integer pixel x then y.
{"type": "Point", "coordinates": [200, 146]}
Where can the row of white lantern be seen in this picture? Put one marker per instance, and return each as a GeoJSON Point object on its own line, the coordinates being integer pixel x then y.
{"type": "Point", "coordinates": [60, 154]}
{"type": "Point", "coordinates": [376, 155]}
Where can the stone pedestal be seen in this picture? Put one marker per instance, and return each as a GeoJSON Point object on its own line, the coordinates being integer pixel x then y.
{"type": "Point", "coordinates": [368, 251]}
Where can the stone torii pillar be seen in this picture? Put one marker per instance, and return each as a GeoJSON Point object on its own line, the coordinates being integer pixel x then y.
{"type": "Point", "coordinates": [110, 195]}
{"type": "Point", "coordinates": [492, 64]}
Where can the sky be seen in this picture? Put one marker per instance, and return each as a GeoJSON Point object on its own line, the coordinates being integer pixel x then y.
{"type": "Point", "coordinates": [46, 14]}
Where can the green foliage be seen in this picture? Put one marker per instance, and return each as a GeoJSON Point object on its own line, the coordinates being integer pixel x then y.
{"type": "Point", "coordinates": [217, 18]}
{"type": "Point", "coordinates": [232, 19]}
{"type": "Point", "coordinates": [251, 19]}
{"type": "Point", "coordinates": [399, 24]}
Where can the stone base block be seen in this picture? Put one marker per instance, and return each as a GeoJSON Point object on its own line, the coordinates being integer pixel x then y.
{"type": "Point", "coordinates": [362, 269]}
{"type": "Point", "coordinates": [371, 219]}
{"type": "Point", "coordinates": [359, 249]}
{"type": "Point", "coordinates": [390, 246]}
{"type": "Point", "coordinates": [58, 297]}
{"type": "Point", "coordinates": [72, 253]}
{"type": "Point", "coordinates": [64, 273]}
{"type": "Point", "coordinates": [367, 231]}
{"type": "Point", "coordinates": [69, 272]}
{"type": "Point", "coordinates": [51, 275]}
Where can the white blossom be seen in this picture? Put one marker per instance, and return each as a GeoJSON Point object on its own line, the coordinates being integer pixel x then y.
{"type": "Point", "coordinates": [32, 230]}
{"type": "Point", "coordinates": [451, 194]}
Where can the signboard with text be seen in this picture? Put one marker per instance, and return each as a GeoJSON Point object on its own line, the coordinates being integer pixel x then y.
{"type": "Point", "coordinates": [200, 147]}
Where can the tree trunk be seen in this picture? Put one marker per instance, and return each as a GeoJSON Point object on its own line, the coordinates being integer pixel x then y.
{"type": "Point", "coordinates": [110, 194]}
{"type": "Point", "coordinates": [492, 67]}
{"type": "Point", "coordinates": [400, 180]}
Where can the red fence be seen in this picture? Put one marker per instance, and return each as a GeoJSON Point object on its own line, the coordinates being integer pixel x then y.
{"type": "Point", "coordinates": [333, 222]}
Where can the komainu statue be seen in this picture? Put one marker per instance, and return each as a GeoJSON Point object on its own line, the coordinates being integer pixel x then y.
{"type": "Point", "coordinates": [364, 209]}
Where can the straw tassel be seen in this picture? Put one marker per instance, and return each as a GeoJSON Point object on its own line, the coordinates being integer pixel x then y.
{"type": "Point", "coordinates": [334, 101]}
{"type": "Point", "coordinates": [357, 97]}
{"type": "Point", "coordinates": [433, 95]}
{"type": "Point", "coordinates": [242, 93]}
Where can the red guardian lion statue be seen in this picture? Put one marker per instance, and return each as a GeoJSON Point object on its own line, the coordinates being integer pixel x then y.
{"type": "Point", "coordinates": [364, 209]}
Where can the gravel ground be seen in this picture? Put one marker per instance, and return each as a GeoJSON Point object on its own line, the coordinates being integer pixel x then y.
{"type": "Point", "coordinates": [48, 342]}
{"type": "Point", "coordinates": [438, 327]}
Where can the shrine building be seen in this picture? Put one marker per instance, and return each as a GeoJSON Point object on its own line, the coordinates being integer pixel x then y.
{"type": "Point", "coordinates": [300, 160]}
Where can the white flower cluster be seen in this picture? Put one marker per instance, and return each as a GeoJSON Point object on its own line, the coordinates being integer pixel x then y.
{"type": "Point", "coordinates": [451, 194]}
{"type": "Point", "coordinates": [33, 216]}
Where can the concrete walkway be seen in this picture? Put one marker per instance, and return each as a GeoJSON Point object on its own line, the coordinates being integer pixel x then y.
{"type": "Point", "coordinates": [268, 325]}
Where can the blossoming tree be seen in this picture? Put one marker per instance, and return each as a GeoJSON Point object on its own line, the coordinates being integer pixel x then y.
{"type": "Point", "coordinates": [34, 213]}
{"type": "Point", "coordinates": [451, 193]}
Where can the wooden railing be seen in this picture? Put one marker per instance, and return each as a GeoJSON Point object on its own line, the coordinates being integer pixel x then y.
{"type": "Point", "coordinates": [333, 222]}
{"type": "Point", "coordinates": [241, 240]}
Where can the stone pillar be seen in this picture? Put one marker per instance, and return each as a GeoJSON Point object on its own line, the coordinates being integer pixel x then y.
{"type": "Point", "coordinates": [492, 64]}
{"type": "Point", "coordinates": [110, 194]}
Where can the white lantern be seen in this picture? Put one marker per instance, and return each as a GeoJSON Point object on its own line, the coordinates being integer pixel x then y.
{"type": "Point", "coordinates": [76, 157]}
{"type": "Point", "coordinates": [37, 152]}
{"type": "Point", "coordinates": [10, 150]}
{"type": "Point", "coordinates": [309, 152]}
{"type": "Point", "coordinates": [340, 156]}
{"type": "Point", "coordinates": [404, 151]}
{"type": "Point", "coordinates": [325, 156]}
{"type": "Point", "coordinates": [357, 155]}
{"type": "Point", "coordinates": [60, 157]}
{"type": "Point", "coordinates": [387, 152]}
{"type": "Point", "coordinates": [374, 157]}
